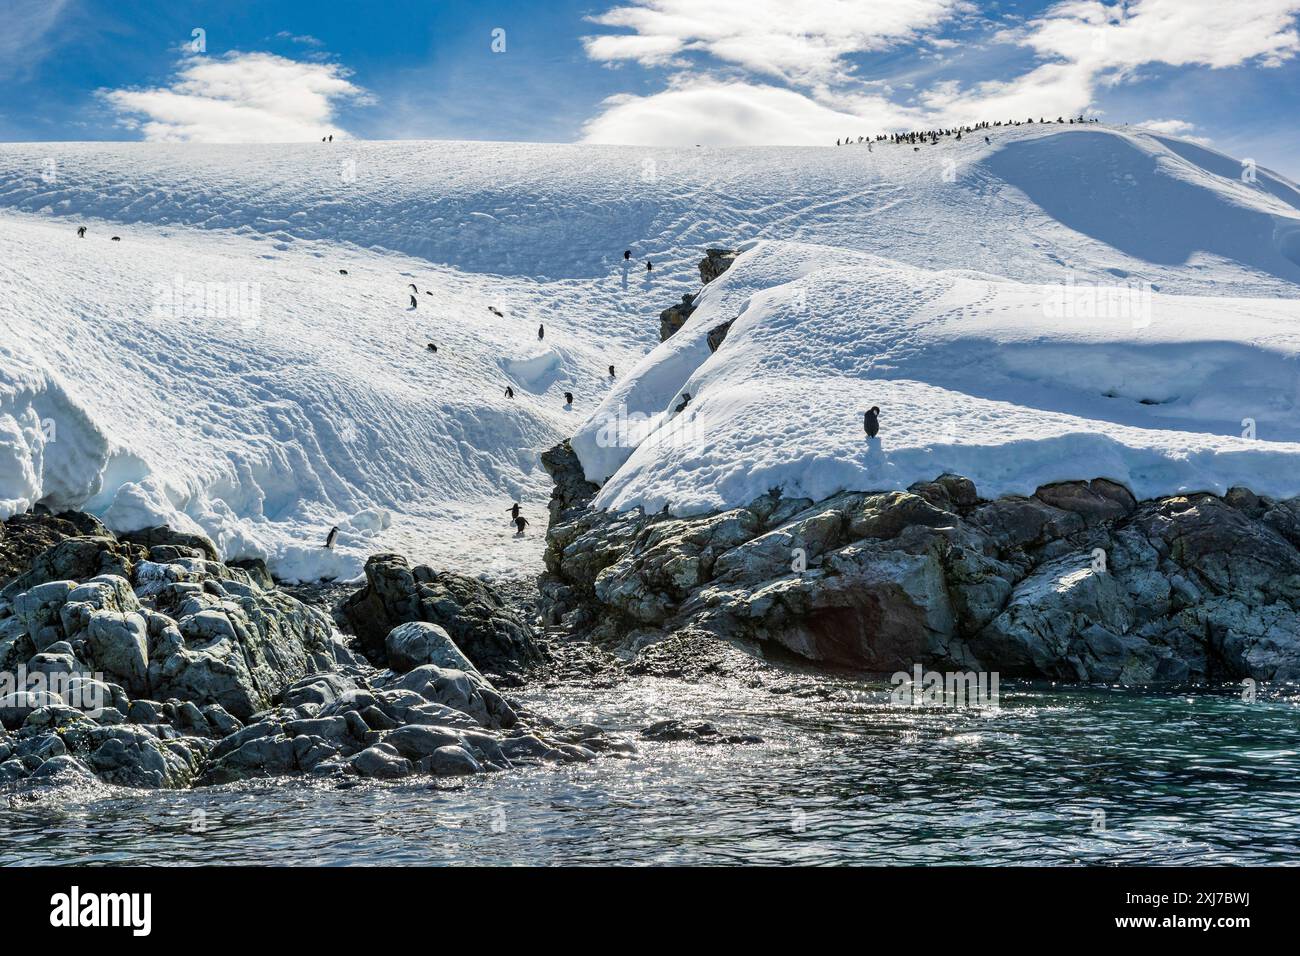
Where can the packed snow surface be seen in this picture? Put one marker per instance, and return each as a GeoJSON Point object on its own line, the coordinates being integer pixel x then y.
{"type": "Point", "coordinates": [1060, 303]}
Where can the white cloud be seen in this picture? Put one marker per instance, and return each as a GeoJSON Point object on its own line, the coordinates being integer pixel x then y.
{"type": "Point", "coordinates": [28, 34]}
{"type": "Point", "coordinates": [712, 113]}
{"type": "Point", "coordinates": [241, 98]}
{"type": "Point", "coordinates": [801, 41]}
{"type": "Point", "coordinates": [1175, 127]}
{"type": "Point", "coordinates": [1082, 44]}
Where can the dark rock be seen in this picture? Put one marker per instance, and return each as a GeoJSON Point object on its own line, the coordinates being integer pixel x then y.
{"type": "Point", "coordinates": [165, 536]}
{"type": "Point", "coordinates": [486, 631]}
{"type": "Point", "coordinates": [716, 262]}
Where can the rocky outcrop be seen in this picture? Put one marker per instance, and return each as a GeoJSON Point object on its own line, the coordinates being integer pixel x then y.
{"type": "Point", "coordinates": [194, 672]}
{"type": "Point", "coordinates": [718, 335]}
{"type": "Point", "coordinates": [716, 262]}
{"type": "Point", "coordinates": [674, 317]}
{"type": "Point", "coordinates": [1078, 582]}
{"type": "Point", "coordinates": [496, 640]}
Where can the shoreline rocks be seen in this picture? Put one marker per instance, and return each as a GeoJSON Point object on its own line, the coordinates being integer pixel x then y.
{"type": "Point", "coordinates": [147, 664]}
{"type": "Point", "coordinates": [1079, 582]}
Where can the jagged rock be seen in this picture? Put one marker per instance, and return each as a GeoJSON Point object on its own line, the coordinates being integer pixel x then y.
{"type": "Point", "coordinates": [716, 262]}
{"type": "Point", "coordinates": [1078, 582]}
{"type": "Point", "coordinates": [23, 537]}
{"type": "Point", "coordinates": [464, 691]}
{"type": "Point", "coordinates": [718, 335]}
{"type": "Point", "coordinates": [164, 536]}
{"type": "Point", "coordinates": [485, 630]}
{"type": "Point", "coordinates": [674, 317]}
{"type": "Point", "coordinates": [77, 559]}
{"type": "Point", "coordinates": [239, 652]}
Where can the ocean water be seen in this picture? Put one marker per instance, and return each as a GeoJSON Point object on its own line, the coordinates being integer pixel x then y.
{"type": "Point", "coordinates": [1051, 776]}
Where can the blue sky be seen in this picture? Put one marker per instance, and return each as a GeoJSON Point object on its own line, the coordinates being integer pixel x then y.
{"type": "Point", "coordinates": [645, 71]}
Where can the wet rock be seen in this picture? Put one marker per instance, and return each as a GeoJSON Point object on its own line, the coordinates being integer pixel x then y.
{"type": "Point", "coordinates": [382, 761]}
{"type": "Point", "coordinates": [417, 642]}
{"type": "Point", "coordinates": [451, 761]}
{"type": "Point", "coordinates": [480, 624]}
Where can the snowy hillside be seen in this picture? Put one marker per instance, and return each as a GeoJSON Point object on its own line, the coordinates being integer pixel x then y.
{"type": "Point", "coordinates": [927, 282]}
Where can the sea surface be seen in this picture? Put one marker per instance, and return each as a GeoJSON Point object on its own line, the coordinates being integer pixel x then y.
{"type": "Point", "coordinates": [1050, 776]}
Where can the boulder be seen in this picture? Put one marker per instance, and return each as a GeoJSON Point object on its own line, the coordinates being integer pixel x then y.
{"type": "Point", "coordinates": [489, 634]}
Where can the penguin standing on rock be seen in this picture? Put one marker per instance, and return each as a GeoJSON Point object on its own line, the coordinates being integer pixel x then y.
{"type": "Point", "coordinates": [870, 421]}
{"type": "Point", "coordinates": [332, 537]}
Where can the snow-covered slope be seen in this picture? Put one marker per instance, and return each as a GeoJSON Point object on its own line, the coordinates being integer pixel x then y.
{"type": "Point", "coordinates": [909, 279]}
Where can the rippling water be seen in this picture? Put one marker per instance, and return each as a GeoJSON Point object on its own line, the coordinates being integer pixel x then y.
{"type": "Point", "coordinates": [1054, 776]}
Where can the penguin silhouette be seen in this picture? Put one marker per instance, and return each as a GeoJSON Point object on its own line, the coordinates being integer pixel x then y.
{"type": "Point", "coordinates": [495, 311]}
{"type": "Point", "coordinates": [343, 272]}
{"type": "Point", "coordinates": [331, 537]}
{"type": "Point", "coordinates": [514, 511]}
{"type": "Point", "coordinates": [117, 238]}
{"type": "Point", "coordinates": [521, 523]}
{"type": "Point", "coordinates": [81, 232]}
{"type": "Point", "coordinates": [431, 347]}
{"type": "Point", "coordinates": [412, 287]}
{"type": "Point", "coordinates": [627, 254]}
{"type": "Point", "coordinates": [568, 398]}
{"type": "Point", "coordinates": [870, 422]}
{"type": "Point", "coordinates": [415, 303]}
{"type": "Point", "coordinates": [611, 371]}
{"type": "Point", "coordinates": [649, 266]}
{"type": "Point", "coordinates": [510, 392]}
{"type": "Point", "coordinates": [541, 332]}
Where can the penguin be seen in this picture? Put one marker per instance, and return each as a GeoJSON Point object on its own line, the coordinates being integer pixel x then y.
{"type": "Point", "coordinates": [331, 537]}
{"type": "Point", "coordinates": [322, 139]}
{"type": "Point", "coordinates": [510, 392]}
{"type": "Point", "coordinates": [81, 232]}
{"type": "Point", "coordinates": [541, 332]}
{"type": "Point", "coordinates": [331, 137]}
{"type": "Point", "coordinates": [497, 312]}
{"type": "Point", "coordinates": [987, 140]}
{"type": "Point", "coordinates": [343, 272]}
{"type": "Point", "coordinates": [686, 400]}
{"type": "Point", "coordinates": [870, 423]}
{"type": "Point", "coordinates": [117, 238]}
{"type": "Point", "coordinates": [514, 511]}
{"type": "Point", "coordinates": [428, 292]}
{"type": "Point", "coordinates": [432, 348]}
{"type": "Point", "coordinates": [611, 371]}
{"type": "Point", "coordinates": [415, 303]}
{"type": "Point", "coordinates": [568, 398]}
{"type": "Point", "coordinates": [649, 266]}
{"type": "Point", "coordinates": [521, 523]}
{"type": "Point", "coordinates": [412, 287]}
{"type": "Point", "coordinates": [627, 254]}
